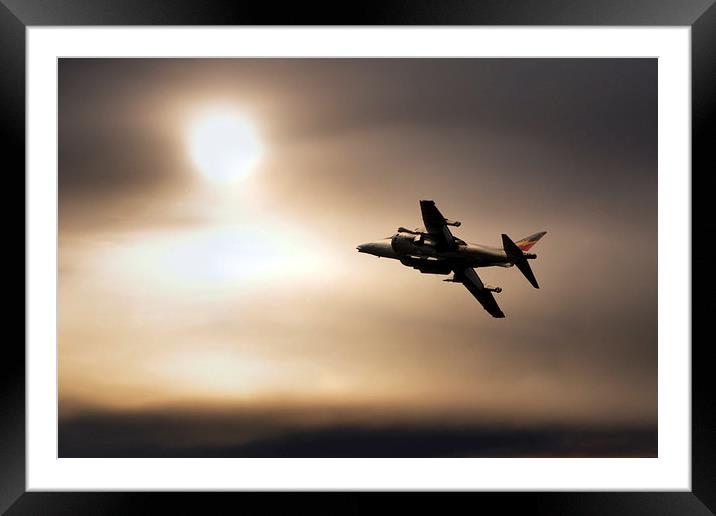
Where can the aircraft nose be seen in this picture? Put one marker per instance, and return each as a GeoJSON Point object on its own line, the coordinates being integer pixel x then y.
{"type": "Point", "coordinates": [361, 248]}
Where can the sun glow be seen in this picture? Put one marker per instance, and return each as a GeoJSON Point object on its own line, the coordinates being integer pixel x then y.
{"type": "Point", "coordinates": [217, 259]}
{"type": "Point", "coordinates": [224, 145]}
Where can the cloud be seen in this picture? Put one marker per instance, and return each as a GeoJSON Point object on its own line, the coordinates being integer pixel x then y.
{"type": "Point", "coordinates": [174, 289]}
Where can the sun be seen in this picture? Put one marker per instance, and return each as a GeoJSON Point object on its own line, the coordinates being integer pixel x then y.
{"type": "Point", "coordinates": [223, 145]}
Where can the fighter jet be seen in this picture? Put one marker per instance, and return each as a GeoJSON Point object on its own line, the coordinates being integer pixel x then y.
{"type": "Point", "coordinates": [433, 249]}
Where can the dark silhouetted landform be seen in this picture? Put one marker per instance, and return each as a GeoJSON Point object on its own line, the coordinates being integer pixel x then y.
{"type": "Point", "coordinates": [140, 435]}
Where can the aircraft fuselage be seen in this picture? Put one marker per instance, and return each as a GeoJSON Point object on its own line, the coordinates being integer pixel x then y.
{"type": "Point", "coordinates": [418, 246]}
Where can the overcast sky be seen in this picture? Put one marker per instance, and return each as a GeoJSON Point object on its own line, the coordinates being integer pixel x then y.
{"type": "Point", "coordinates": [179, 295]}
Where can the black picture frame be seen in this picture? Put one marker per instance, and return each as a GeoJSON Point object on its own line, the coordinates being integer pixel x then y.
{"type": "Point", "coordinates": [700, 15]}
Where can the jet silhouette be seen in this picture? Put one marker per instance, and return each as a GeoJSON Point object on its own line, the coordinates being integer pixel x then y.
{"type": "Point", "coordinates": [433, 249]}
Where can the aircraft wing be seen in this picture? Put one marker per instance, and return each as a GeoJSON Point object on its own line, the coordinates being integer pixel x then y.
{"type": "Point", "coordinates": [436, 226]}
{"type": "Point", "coordinates": [472, 282]}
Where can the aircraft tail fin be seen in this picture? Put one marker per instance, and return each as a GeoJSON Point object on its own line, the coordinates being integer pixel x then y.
{"type": "Point", "coordinates": [526, 243]}
{"type": "Point", "coordinates": [517, 256]}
